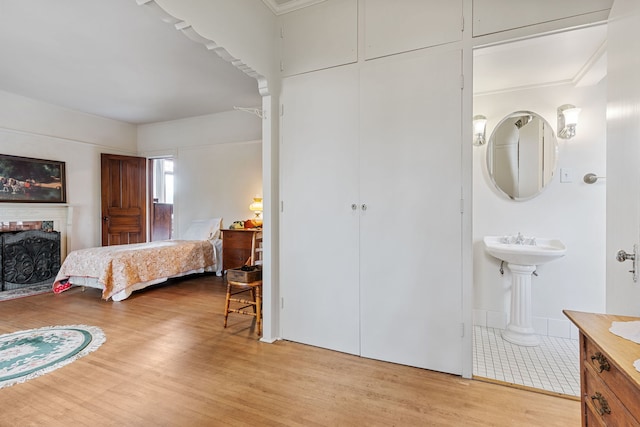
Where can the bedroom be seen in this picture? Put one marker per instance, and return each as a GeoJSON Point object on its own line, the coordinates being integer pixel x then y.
{"type": "Point", "coordinates": [218, 150]}
{"type": "Point", "coordinates": [243, 50]}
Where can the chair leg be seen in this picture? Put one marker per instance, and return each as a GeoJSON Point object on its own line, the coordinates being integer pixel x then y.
{"type": "Point", "coordinates": [258, 300]}
{"type": "Point", "coordinates": [226, 304]}
{"type": "Point", "coordinates": [253, 295]}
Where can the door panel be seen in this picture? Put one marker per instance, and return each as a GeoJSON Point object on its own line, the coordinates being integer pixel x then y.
{"type": "Point", "coordinates": [413, 24]}
{"type": "Point", "coordinates": [123, 199]}
{"type": "Point", "coordinates": [623, 154]}
{"type": "Point", "coordinates": [319, 244]}
{"type": "Point", "coordinates": [410, 240]}
{"type": "Point", "coordinates": [382, 278]}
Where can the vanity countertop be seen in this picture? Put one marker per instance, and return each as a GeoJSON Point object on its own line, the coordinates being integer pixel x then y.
{"type": "Point", "coordinates": [596, 328]}
{"type": "Point", "coordinates": [610, 383]}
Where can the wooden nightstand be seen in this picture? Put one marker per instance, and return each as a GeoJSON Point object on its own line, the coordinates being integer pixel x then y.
{"type": "Point", "coordinates": [241, 245]}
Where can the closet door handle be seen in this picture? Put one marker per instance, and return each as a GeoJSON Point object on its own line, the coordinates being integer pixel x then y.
{"type": "Point", "coordinates": [363, 207]}
{"type": "Point", "coordinates": [354, 207]}
{"type": "Point", "coordinates": [623, 256]}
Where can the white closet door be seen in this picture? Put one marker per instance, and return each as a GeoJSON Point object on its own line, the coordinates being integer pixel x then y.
{"type": "Point", "coordinates": [319, 228]}
{"type": "Point", "coordinates": [411, 179]}
{"type": "Point", "coordinates": [623, 154]}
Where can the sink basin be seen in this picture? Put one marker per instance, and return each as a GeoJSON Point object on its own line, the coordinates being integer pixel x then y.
{"type": "Point", "coordinates": [543, 251]}
{"type": "Point", "coordinates": [522, 255]}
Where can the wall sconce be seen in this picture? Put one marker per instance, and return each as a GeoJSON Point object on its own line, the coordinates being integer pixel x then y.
{"type": "Point", "coordinates": [256, 208]}
{"type": "Point", "coordinates": [479, 126]}
{"type": "Point", "coordinates": [567, 120]}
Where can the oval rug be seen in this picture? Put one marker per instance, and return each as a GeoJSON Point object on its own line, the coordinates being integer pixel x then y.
{"type": "Point", "coordinates": [28, 354]}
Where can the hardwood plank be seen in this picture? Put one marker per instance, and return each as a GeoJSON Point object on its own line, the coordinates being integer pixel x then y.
{"type": "Point", "coordinates": [168, 361]}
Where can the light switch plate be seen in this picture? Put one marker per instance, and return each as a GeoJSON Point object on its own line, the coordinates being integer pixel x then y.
{"type": "Point", "coordinates": [566, 175]}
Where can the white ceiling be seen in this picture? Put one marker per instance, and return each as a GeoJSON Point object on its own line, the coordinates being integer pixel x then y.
{"type": "Point", "coordinates": [115, 59]}
{"type": "Point", "coordinates": [119, 60]}
{"type": "Point", "coordinates": [575, 57]}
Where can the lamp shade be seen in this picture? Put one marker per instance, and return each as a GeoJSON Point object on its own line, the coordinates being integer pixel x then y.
{"type": "Point", "coordinates": [479, 126]}
{"type": "Point", "coordinates": [256, 205]}
{"type": "Point", "coordinates": [571, 116]}
{"type": "Point", "coordinates": [567, 120]}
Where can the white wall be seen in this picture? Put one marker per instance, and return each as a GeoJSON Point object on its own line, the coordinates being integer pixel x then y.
{"type": "Point", "coordinates": [573, 212]}
{"type": "Point", "coordinates": [218, 164]}
{"type": "Point", "coordinates": [217, 181]}
{"type": "Point", "coordinates": [32, 116]}
{"type": "Point", "coordinates": [31, 128]}
{"type": "Point", "coordinates": [231, 126]}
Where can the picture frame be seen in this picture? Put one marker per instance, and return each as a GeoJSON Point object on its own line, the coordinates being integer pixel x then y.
{"type": "Point", "coordinates": [29, 180]}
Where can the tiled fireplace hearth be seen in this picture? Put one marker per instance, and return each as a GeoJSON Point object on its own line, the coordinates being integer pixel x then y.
{"type": "Point", "coordinates": [33, 256]}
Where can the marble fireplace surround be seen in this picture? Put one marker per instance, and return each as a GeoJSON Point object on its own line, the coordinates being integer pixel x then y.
{"type": "Point", "coordinates": [60, 214]}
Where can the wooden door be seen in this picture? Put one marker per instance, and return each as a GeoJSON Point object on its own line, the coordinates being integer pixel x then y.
{"type": "Point", "coordinates": [319, 228]}
{"type": "Point", "coordinates": [411, 229]}
{"type": "Point", "coordinates": [161, 221]}
{"type": "Point", "coordinates": [123, 185]}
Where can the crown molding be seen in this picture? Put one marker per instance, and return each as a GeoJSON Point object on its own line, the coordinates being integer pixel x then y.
{"type": "Point", "coordinates": [186, 29]}
{"type": "Point", "coordinates": [290, 5]}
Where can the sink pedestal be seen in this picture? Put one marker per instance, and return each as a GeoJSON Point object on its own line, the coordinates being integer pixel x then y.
{"type": "Point", "coordinates": [522, 255]}
{"type": "Point", "coordinates": [520, 328]}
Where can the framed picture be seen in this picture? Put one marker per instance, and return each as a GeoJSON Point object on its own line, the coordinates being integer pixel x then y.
{"type": "Point", "coordinates": [25, 180]}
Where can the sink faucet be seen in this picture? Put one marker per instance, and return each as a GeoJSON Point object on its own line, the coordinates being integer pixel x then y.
{"type": "Point", "coordinates": [518, 239]}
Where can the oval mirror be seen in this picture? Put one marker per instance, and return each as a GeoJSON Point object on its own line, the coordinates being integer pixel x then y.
{"type": "Point", "coordinates": [522, 155]}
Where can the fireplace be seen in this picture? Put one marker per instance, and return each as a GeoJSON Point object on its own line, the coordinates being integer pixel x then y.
{"type": "Point", "coordinates": [33, 242]}
{"type": "Point", "coordinates": [28, 258]}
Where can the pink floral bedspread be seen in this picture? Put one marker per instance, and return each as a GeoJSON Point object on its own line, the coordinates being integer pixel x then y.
{"type": "Point", "coordinates": [120, 267]}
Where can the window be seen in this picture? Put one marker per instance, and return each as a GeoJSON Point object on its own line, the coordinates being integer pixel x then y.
{"type": "Point", "coordinates": [163, 180]}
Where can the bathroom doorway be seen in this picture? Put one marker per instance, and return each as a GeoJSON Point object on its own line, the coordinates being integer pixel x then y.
{"type": "Point", "coordinates": [540, 74]}
{"type": "Point", "coordinates": [162, 191]}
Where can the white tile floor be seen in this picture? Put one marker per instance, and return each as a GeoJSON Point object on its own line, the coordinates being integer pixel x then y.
{"type": "Point", "coordinates": [554, 365]}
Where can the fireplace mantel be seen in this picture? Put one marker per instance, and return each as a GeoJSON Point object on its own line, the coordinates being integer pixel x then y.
{"type": "Point", "coordinates": [60, 214]}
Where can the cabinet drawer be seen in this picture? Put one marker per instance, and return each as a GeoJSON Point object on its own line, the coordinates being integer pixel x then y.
{"type": "Point", "coordinates": [241, 239]}
{"type": "Point", "coordinates": [234, 258]}
{"type": "Point", "coordinates": [603, 404]}
{"type": "Point", "coordinates": [590, 419]}
{"type": "Point", "coordinates": [237, 246]}
{"type": "Point", "coordinates": [599, 364]}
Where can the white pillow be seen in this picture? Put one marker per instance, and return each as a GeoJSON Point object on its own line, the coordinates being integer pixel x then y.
{"type": "Point", "coordinates": [203, 229]}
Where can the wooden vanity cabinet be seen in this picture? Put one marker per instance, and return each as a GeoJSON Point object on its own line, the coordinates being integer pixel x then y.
{"type": "Point", "coordinates": [609, 383]}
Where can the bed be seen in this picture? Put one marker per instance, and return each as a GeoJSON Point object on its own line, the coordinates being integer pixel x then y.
{"type": "Point", "coordinates": [122, 269]}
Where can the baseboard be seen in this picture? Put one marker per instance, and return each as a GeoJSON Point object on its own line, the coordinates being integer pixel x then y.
{"type": "Point", "coordinates": [559, 328]}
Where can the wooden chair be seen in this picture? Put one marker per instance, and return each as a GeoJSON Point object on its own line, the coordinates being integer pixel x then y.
{"type": "Point", "coordinates": [236, 288]}
{"type": "Point", "coordinates": [237, 292]}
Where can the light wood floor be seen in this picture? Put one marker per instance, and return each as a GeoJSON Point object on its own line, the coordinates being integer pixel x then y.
{"type": "Point", "coordinates": [168, 361]}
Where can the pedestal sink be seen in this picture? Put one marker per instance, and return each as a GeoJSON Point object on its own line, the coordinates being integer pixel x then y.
{"type": "Point", "coordinates": [522, 255]}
